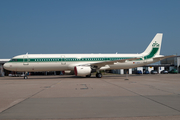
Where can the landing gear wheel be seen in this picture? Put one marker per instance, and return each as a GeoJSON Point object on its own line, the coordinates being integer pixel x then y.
{"type": "Point", "coordinates": [99, 75]}
{"type": "Point", "coordinates": [26, 75]}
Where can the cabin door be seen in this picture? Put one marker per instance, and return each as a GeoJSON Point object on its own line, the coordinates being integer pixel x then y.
{"type": "Point", "coordinates": [63, 60]}
{"type": "Point", "coordinates": [25, 60]}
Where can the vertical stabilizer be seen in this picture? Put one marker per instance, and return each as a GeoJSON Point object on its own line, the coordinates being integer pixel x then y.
{"type": "Point", "coordinates": [154, 47]}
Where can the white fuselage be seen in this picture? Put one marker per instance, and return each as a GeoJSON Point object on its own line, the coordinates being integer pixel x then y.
{"type": "Point", "coordinates": [61, 62]}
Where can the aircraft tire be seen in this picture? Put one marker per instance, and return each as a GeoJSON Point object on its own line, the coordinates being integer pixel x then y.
{"type": "Point", "coordinates": [99, 75]}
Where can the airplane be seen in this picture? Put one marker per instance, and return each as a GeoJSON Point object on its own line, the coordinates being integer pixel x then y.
{"type": "Point", "coordinates": [85, 64]}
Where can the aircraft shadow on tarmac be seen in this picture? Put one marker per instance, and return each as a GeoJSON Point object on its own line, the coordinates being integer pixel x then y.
{"type": "Point", "coordinates": [70, 76]}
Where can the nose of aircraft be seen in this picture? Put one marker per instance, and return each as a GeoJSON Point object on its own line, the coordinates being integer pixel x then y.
{"type": "Point", "coordinates": [6, 66]}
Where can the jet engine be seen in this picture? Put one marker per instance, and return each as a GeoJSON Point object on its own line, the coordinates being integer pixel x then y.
{"type": "Point", "coordinates": [82, 70]}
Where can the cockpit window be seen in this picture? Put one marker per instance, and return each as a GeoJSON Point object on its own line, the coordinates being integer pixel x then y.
{"type": "Point", "coordinates": [14, 60]}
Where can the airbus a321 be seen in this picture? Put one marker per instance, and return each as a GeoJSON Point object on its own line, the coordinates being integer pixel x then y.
{"type": "Point", "coordinates": [85, 64]}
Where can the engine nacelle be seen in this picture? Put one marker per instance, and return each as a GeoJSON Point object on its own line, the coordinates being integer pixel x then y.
{"type": "Point", "coordinates": [82, 70]}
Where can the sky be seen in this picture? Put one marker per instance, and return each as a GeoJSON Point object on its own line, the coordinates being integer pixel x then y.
{"type": "Point", "coordinates": [87, 26]}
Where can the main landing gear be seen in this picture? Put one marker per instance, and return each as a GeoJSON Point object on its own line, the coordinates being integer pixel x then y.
{"type": "Point", "coordinates": [98, 75]}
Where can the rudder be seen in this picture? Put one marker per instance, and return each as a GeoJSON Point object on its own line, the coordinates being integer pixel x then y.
{"type": "Point", "coordinates": [155, 44]}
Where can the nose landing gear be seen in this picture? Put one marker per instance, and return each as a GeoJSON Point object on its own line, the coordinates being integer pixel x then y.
{"type": "Point", "coordinates": [26, 75]}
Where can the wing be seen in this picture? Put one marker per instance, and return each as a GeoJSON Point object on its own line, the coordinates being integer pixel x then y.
{"type": "Point", "coordinates": [100, 64]}
{"type": "Point", "coordinates": [164, 57]}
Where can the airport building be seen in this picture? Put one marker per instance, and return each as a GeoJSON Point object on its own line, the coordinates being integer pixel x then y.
{"type": "Point", "coordinates": [174, 62]}
{"type": "Point", "coordinates": [143, 69]}
{"type": "Point", "coordinates": [2, 71]}
{"type": "Point", "coordinates": [166, 64]}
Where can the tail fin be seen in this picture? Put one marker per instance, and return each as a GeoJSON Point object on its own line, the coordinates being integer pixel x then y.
{"type": "Point", "coordinates": [154, 47]}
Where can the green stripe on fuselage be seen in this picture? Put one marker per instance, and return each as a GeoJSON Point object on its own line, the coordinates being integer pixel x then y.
{"type": "Point", "coordinates": [151, 54]}
{"type": "Point", "coordinates": [68, 59]}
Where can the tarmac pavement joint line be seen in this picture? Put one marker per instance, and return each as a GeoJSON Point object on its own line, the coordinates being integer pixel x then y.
{"type": "Point", "coordinates": [143, 96]}
{"type": "Point", "coordinates": [22, 100]}
{"type": "Point", "coordinates": [11, 104]}
{"type": "Point", "coordinates": [51, 86]}
{"type": "Point", "coordinates": [153, 87]}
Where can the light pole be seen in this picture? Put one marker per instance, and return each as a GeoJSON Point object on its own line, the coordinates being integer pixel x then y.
{"type": "Point", "coordinates": [177, 64]}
